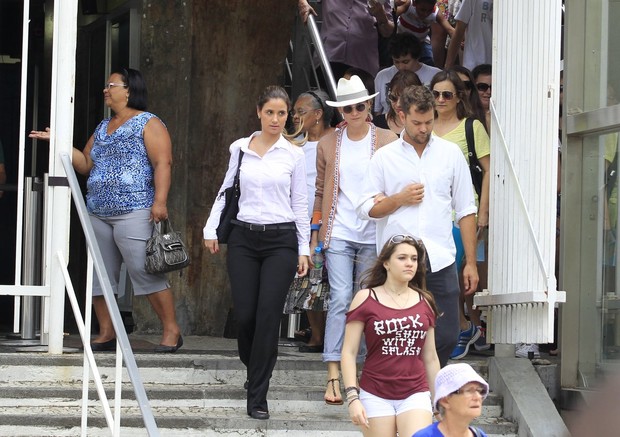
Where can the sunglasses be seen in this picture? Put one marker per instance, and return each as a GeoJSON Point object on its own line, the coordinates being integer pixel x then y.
{"type": "Point", "coordinates": [393, 97]}
{"type": "Point", "coordinates": [360, 107]}
{"type": "Point", "coordinates": [472, 391]}
{"type": "Point", "coordinates": [400, 238]}
{"type": "Point", "coordinates": [447, 95]}
{"type": "Point", "coordinates": [482, 87]}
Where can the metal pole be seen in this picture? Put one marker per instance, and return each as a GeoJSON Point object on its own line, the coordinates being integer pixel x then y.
{"type": "Point", "coordinates": [327, 70]}
{"type": "Point", "coordinates": [29, 272]}
{"type": "Point", "coordinates": [20, 165]}
{"type": "Point", "coordinates": [293, 325]}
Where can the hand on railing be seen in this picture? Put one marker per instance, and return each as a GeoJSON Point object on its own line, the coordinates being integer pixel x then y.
{"type": "Point", "coordinates": [305, 10]}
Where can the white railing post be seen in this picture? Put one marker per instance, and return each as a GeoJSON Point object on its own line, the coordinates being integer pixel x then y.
{"type": "Point", "coordinates": [122, 341]}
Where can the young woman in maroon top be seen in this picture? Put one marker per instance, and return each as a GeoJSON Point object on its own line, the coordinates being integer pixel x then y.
{"type": "Point", "coordinates": [396, 315]}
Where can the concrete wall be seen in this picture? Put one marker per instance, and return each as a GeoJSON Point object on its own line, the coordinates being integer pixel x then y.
{"type": "Point", "coordinates": [205, 63]}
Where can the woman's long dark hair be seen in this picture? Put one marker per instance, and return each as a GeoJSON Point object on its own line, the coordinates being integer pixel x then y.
{"type": "Point", "coordinates": [463, 109]}
{"type": "Point", "coordinates": [474, 97]}
{"type": "Point", "coordinates": [377, 275]}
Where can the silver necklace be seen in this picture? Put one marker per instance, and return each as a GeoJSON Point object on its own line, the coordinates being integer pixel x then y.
{"type": "Point", "coordinates": [390, 292]}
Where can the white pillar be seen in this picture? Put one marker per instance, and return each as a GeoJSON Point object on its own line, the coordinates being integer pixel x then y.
{"type": "Point", "coordinates": [61, 124]}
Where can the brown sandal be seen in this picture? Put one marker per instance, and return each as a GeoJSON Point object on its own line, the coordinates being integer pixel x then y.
{"type": "Point", "coordinates": [336, 401]}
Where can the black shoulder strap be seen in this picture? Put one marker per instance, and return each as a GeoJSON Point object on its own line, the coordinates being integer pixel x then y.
{"type": "Point", "coordinates": [374, 293]}
{"type": "Point", "coordinates": [236, 182]}
{"type": "Point", "coordinates": [471, 141]}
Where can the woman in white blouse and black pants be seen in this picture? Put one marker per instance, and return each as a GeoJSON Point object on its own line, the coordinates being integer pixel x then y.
{"type": "Point", "coordinates": [269, 241]}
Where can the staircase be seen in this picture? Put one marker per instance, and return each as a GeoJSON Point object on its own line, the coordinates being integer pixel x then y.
{"type": "Point", "coordinates": [195, 392]}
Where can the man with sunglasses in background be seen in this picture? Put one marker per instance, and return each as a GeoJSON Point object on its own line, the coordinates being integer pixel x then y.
{"type": "Point", "coordinates": [405, 50]}
{"type": "Point", "coordinates": [413, 185]}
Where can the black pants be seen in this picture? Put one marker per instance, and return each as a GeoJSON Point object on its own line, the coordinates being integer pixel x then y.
{"type": "Point", "coordinates": [261, 267]}
{"type": "Point", "coordinates": [444, 284]}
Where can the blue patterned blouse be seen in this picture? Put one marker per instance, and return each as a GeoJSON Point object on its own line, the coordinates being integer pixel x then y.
{"type": "Point", "coordinates": [121, 179]}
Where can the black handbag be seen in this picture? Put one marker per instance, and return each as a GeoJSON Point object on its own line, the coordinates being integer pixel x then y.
{"type": "Point", "coordinates": [474, 165]}
{"type": "Point", "coordinates": [165, 250]}
{"type": "Point", "coordinates": [231, 206]}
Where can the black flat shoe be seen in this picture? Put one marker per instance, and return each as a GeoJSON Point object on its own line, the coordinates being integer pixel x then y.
{"type": "Point", "coordinates": [311, 349]}
{"type": "Point", "coordinates": [169, 349]}
{"type": "Point", "coordinates": [245, 384]}
{"type": "Point", "coordinates": [259, 415]}
{"type": "Point", "coordinates": [106, 346]}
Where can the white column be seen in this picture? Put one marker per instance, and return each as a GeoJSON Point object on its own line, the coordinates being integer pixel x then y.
{"type": "Point", "coordinates": [522, 288]}
{"type": "Point", "coordinates": [61, 124]}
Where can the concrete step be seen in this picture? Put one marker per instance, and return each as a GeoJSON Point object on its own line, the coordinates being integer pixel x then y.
{"type": "Point", "coordinates": [306, 402]}
{"type": "Point", "coordinates": [222, 417]}
{"type": "Point", "coordinates": [211, 407]}
{"type": "Point", "coordinates": [27, 431]}
{"type": "Point", "coordinates": [195, 392]}
{"type": "Point", "coordinates": [16, 393]}
{"type": "Point", "coordinates": [211, 369]}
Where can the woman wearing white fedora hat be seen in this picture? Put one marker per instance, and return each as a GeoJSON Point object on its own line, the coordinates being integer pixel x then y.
{"type": "Point", "coordinates": [349, 242]}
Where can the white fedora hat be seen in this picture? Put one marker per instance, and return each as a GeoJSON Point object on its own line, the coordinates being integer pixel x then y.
{"type": "Point", "coordinates": [350, 92]}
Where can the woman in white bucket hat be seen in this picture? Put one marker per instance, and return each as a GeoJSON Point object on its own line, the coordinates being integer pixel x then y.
{"type": "Point", "coordinates": [349, 242]}
{"type": "Point", "coordinates": [459, 393]}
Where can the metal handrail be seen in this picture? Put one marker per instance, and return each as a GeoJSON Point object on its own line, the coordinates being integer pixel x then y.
{"type": "Point", "coordinates": [313, 30]}
{"type": "Point", "coordinates": [123, 347]}
{"type": "Point", "coordinates": [315, 38]}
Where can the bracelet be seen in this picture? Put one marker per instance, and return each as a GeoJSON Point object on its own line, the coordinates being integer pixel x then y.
{"type": "Point", "coordinates": [351, 389]}
{"type": "Point", "coordinates": [353, 400]}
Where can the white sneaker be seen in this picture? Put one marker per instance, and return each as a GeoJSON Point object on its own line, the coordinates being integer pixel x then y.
{"type": "Point", "coordinates": [523, 349]}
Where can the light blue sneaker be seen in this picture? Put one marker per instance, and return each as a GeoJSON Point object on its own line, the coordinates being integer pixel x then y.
{"type": "Point", "coordinates": [466, 339]}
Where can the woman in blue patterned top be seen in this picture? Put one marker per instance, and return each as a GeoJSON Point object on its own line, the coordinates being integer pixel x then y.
{"type": "Point", "coordinates": [128, 162]}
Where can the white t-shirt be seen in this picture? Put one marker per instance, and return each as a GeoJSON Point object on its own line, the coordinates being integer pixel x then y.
{"type": "Point", "coordinates": [478, 15]}
{"type": "Point", "coordinates": [354, 160]}
{"type": "Point", "coordinates": [382, 82]}
{"type": "Point", "coordinates": [410, 22]}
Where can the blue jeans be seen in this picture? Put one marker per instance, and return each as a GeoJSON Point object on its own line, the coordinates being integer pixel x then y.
{"type": "Point", "coordinates": [345, 261]}
{"type": "Point", "coordinates": [426, 57]}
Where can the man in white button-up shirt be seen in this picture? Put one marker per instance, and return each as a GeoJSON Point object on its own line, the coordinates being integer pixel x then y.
{"type": "Point", "coordinates": [413, 186]}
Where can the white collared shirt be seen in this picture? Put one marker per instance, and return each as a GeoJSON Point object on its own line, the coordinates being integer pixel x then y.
{"type": "Point", "coordinates": [273, 189]}
{"type": "Point", "coordinates": [443, 170]}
